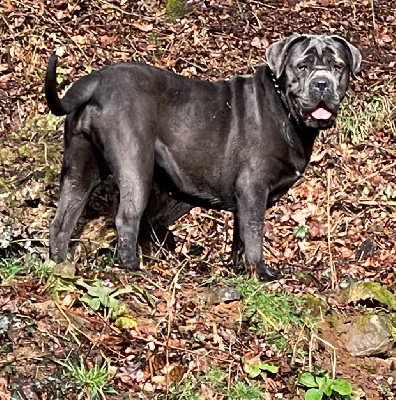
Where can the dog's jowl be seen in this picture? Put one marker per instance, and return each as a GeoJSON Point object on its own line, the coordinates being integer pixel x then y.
{"type": "Point", "coordinates": [235, 145]}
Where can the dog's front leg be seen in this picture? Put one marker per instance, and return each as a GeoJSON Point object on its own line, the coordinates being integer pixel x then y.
{"type": "Point", "coordinates": [251, 206]}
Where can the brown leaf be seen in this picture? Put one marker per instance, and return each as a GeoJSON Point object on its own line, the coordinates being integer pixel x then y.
{"type": "Point", "coordinates": [143, 27]}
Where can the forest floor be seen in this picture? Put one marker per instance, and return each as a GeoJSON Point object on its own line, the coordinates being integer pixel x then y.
{"type": "Point", "coordinates": [195, 330]}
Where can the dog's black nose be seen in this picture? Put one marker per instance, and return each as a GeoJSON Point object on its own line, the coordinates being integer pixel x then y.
{"type": "Point", "coordinates": [321, 83]}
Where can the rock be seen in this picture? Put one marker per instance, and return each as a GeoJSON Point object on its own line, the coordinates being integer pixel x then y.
{"type": "Point", "coordinates": [369, 335]}
{"type": "Point", "coordinates": [359, 291]}
{"type": "Point", "coordinates": [218, 295]}
{"type": "Point", "coordinates": [65, 269]}
{"type": "Point", "coordinates": [5, 323]}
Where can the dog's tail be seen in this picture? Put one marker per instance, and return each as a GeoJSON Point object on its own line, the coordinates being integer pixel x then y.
{"type": "Point", "coordinates": [80, 92]}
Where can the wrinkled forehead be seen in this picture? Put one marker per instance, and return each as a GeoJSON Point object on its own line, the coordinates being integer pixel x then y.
{"type": "Point", "coordinates": [319, 48]}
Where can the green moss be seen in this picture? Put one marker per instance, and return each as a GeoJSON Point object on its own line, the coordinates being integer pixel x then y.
{"type": "Point", "coordinates": [177, 8]}
{"type": "Point", "coordinates": [391, 322]}
{"type": "Point", "coordinates": [244, 391]}
{"type": "Point", "coordinates": [371, 290]}
{"type": "Point", "coordinates": [38, 141]}
{"type": "Point", "coordinates": [23, 152]}
{"type": "Point", "coordinates": [216, 377]}
{"type": "Point", "coordinates": [51, 176]}
{"type": "Point", "coordinates": [6, 154]}
{"type": "Point", "coordinates": [315, 307]}
{"type": "Point", "coordinates": [332, 319]}
{"type": "Point", "coordinates": [38, 124]}
{"type": "Point", "coordinates": [389, 319]}
{"type": "Point", "coordinates": [363, 320]}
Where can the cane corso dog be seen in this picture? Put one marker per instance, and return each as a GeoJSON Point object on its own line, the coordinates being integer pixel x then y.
{"type": "Point", "coordinates": [234, 145]}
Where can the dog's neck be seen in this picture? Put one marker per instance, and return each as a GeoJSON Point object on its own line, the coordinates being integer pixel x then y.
{"type": "Point", "coordinates": [276, 85]}
{"type": "Point", "coordinates": [306, 135]}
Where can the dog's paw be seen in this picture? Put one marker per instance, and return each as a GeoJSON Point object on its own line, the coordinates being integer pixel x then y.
{"type": "Point", "coordinates": [266, 274]}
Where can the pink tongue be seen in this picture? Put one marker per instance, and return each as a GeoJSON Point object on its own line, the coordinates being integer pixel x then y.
{"type": "Point", "coordinates": [321, 113]}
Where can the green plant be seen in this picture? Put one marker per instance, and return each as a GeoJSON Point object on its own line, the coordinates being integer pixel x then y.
{"type": "Point", "coordinates": [301, 231]}
{"type": "Point", "coordinates": [386, 392]}
{"type": "Point", "coordinates": [216, 377]}
{"type": "Point", "coordinates": [60, 75]}
{"type": "Point", "coordinates": [256, 369]}
{"type": "Point", "coordinates": [94, 381]}
{"type": "Point", "coordinates": [157, 42]}
{"type": "Point", "coordinates": [177, 8]}
{"type": "Point", "coordinates": [244, 391]}
{"type": "Point", "coordinates": [184, 390]}
{"type": "Point", "coordinates": [323, 387]}
{"type": "Point", "coordinates": [268, 312]}
{"type": "Point", "coordinates": [102, 297]}
{"type": "Point", "coordinates": [10, 267]}
{"type": "Point", "coordinates": [39, 268]}
{"type": "Point", "coordinates": [38, 124]}
{"type": "Point", "coordinates": [358, 117]}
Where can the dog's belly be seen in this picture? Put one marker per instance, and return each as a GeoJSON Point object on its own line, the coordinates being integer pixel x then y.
{"type": "Point", "coordinates": [196, 196]}
{"type": "Point", "coordinates": [189, 185]}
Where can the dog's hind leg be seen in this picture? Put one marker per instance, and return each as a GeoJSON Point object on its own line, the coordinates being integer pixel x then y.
{"type": "Point", "coordinates": [131, 159]}
{"type": "Point", "coordinates": [237, 244]}
{"type": "Point", "coordinates": [81, 173]}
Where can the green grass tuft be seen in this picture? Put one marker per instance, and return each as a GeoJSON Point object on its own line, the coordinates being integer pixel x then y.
{"type": "Point", "coordinates": [10, 267]}
{"type": "Point", "coordinates": [268, 312]}
{"type": "Point", "coordinates": [216, 377]}
{"type": "Point", "coordinates": [93, 381]}
{"type": "Point", "coordinates": [17, 267]}
{"type": "Point", "coordinates": [243, 391]}
{"type": "Point", "coordinates": [185, 390]}
{"type": "Point", "coordinates": [358, 117]}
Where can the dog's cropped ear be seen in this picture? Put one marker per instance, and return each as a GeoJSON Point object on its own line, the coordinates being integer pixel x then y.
{"type": "Point", "coordinates": [276, 53]}
{"type": "Point", "coordinates": [355, 58]}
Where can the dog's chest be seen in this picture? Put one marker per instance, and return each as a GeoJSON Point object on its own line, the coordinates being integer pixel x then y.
{"type": "Point", "coordinates": [282, 184]}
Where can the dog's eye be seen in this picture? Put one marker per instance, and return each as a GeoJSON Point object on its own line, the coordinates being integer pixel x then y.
{"type": "Point", "coordinates": [302, 68]}
{"type": "Point", "coordinates": [338, 67]}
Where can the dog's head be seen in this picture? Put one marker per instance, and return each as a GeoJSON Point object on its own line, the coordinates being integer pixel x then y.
{"type": "Point", "coordinates": [313, 72]}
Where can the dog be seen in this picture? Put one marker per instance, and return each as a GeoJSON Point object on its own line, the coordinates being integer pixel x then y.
{"type": "Point", "coordinates": [235, 145]}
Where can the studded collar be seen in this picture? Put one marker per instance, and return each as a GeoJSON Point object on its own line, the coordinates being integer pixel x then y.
{"type": "Point", "coordinates": [281, 95]}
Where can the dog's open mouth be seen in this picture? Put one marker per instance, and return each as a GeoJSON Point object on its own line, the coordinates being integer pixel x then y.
{"type": "Point", "coordinates": [320, 112]}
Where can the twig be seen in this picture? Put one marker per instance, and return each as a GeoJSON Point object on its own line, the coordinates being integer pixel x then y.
{"type": "Point", "coordinates": [269, 321]}
{"type": "Point", "coordinates": [313, 337]}
{"type": "Point", "coordinates": [71, 325]}
{"type": "Point", "coordinates": [332, 268]}
{"type": "Point", "coordinates": [299, 338]}
{"type": "Point", "coordinates": [389, 203]}
{"type": "Point", "coordinates": [373, 15]}
{"type": "Point", "coordinates": [184, 350]}
{"type": "Point", "coordinates": [169, 325]}
{"type": "Point", "coordinates": [389, 166]}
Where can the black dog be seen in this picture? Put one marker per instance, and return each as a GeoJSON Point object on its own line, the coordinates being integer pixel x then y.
{"type": "Point", "coordinates": [235, 145]}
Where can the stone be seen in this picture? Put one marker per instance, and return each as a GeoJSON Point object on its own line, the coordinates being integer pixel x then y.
{"type": "Point", "coordinates": [218, 295]}
{"type": "Point", "coordinates": [369, 335]}
{"type": "Point", "coordinates": [360, 291]}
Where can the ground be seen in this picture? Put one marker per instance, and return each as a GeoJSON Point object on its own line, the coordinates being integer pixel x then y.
{"type": "Point", "coordinates": [92, 330]}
